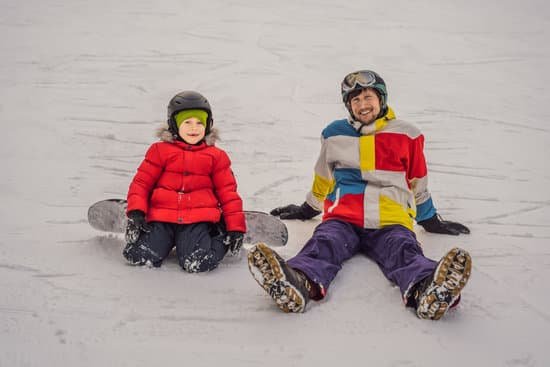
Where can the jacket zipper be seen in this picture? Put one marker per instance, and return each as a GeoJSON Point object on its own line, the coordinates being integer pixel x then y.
{"type": "Point", "coordinates": [180, 195]}
{"type": "Point", "coordinates": [180, 198]}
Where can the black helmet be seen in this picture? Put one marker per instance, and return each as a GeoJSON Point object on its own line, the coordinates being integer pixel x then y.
{"type": "Point", "coordinates": [365, 79]}
{"type": "Point", "coordinates": [188, 100]}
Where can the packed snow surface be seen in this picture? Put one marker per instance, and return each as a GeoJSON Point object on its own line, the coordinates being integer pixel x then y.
{"type": "Point", "coordinates": [84, 84]}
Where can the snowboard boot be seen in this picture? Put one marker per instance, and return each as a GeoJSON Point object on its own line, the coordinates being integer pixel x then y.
{"type": "Point", "coordinates": [289, 288]}
{"type": "Point", "coordinates": [137, 254]}
{"type": "Point", "coordinates": [441, 291]}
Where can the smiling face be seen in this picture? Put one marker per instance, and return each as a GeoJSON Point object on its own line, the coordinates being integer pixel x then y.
{"type": "Point", "coordinates": [365, 106]}
{"type": "Point", "coordinates": [192, 130]}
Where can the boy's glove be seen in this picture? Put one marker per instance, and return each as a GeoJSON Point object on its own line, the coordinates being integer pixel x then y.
{"type": "Point", "coordinates": [436, 224]}
{"type": "Point", "coordinates": [234, 242]}
{"type": "Point", "coordinates": [133, 254]}
{"type": "Point", "coordinates": [136, 225]}
{"type": "Point", "coordinates": [292, 211]}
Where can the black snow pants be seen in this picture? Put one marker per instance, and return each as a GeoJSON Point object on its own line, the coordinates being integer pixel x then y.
{"type": "Point", "coordinates": [199, 246]}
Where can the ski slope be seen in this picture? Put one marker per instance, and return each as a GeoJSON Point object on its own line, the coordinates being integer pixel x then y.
{"type": "Point", "coordinates": [83, 85]}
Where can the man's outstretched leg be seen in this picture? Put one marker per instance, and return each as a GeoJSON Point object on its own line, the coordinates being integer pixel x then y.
{"type": "Point", "coordinates": [307, 275]}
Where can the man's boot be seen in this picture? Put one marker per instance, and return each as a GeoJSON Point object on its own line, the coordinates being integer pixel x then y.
{"type": "Point", "coordinates": [439, 292]}
{"type": "Point", "coordinates": [289, 288]}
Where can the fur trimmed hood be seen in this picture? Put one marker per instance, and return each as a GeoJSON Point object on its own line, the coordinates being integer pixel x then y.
{"type": "Point", "coordinates": [164, 134]}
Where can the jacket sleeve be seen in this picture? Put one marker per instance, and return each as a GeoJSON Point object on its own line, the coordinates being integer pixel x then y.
{"type": "Point", "coordinates": [144, 180]}
{"type": "Point", "coordinates": [417, 176]}
{"type": "Point", "coordinates": [323, 180]}
{"type": "Point", "coordinates": [225, 186]}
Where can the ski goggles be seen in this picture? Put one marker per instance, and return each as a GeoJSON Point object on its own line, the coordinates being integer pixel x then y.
{"type": "Point", "coordinates": [363, 79]}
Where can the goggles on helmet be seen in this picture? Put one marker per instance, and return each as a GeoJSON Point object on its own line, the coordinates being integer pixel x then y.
{"type": "Point", "coordinates": [361, 79]}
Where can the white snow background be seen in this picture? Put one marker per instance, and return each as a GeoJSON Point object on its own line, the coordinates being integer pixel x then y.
{"type": "Point", "coordinates": [83, 84]}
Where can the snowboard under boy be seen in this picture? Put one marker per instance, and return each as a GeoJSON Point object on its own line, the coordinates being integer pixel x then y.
{"type": "Point", "coordinates": [371, 183]}
{"type": "Point", "coordinates": [181, 191]}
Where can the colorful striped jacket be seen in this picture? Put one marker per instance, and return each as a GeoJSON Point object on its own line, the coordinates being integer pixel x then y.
{"type": "Point", "coordinates": [373, 178]}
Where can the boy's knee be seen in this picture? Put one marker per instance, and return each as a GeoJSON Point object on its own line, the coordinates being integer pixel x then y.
{"type": "Point", "coordinates": [139, 254]}
{"type": "Point", "coordinates": [198, 261]}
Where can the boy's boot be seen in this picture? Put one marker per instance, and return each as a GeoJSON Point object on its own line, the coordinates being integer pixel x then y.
{"type": "Point", "coordinates": [437, 293]}
{"type": "Point", "coordinates": [289, 288]}
{"type": "Point", "coordinates": [138, 254]}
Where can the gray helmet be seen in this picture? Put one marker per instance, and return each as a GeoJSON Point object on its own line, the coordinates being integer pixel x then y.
{"type": "Point", "coordinates": [188, 100]}
{"type": "Point", "coordinates": [362, 79]}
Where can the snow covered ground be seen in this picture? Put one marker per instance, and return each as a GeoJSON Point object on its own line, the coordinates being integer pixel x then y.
{"type": "Point", "coordinates": [84, 83]}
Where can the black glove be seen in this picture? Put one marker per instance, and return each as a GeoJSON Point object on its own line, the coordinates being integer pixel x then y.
{"type": "Point", "coordinates": [136, 225]}
{"type": "Point", "coordinates": [134, 254]}
{"type": "Point", "coordinates": [436, 224]}
{"type": "Point", "coordinates": [292, 211]}
{"type": "Point", "coordinates": [234, 242]}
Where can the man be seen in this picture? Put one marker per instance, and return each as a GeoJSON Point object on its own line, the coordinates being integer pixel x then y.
{"type": "Point", "coordinates": [371, 183]}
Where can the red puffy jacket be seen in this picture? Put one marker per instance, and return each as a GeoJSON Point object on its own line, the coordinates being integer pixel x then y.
{"type": "Point", "coordinates": [182, 183]}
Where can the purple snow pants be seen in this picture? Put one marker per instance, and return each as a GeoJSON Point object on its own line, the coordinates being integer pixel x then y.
{"type": "Point", "coordinates": [394, 248]}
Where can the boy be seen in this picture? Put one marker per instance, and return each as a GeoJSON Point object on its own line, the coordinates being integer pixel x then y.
{"type": "Point", "coordinates": [180, 192]}
{"type": "Point", "coordinates": [371, 182]}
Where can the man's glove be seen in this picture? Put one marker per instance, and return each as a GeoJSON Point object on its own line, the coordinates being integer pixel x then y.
{"type": "Point", "coordinates": [292, 211]}
{"type": "Point", "coordinates": [136, 225]}
{"type": "Point", "coordinates": [436, 224]}
{"type": "Point", "coordinates": [234, 242]}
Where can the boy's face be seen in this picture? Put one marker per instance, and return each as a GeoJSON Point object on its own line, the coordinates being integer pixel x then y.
{"type": "Point", "coordinates": [365, 106]}
{"type": "Point", "coordinates": [192, 130]}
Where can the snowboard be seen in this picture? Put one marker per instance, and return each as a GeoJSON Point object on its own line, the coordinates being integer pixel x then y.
{"type": "Point", "coordinates": [110, 216]}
